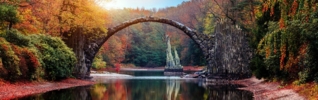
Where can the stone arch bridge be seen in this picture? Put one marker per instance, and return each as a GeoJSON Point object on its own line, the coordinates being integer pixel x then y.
{"type": "Point", "coordinates": [208, 44]}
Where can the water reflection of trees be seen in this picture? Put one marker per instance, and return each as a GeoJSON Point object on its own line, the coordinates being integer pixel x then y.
{"type": "Point", "coordinates": [169, 89]}
{"type": "Point", "coordinates": [228, 92]}
{"type": "Point", "coordinates": [78, 93]}
{"type": "Point", "coordinates": [115, 91]}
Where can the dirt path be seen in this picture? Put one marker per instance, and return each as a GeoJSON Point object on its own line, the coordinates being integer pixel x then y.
{"type": "Point", "coordinates": [20, 89]}
{"type": "Point", "coordinates": [268, 90]}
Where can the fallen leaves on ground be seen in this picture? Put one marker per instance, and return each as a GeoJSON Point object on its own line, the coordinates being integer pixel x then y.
{"type": "Point", "coordinates": [23, 88]}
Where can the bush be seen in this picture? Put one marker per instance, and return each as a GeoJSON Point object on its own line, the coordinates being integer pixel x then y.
{"type": "Point", "coordinates": [98, 63]}
{"type": "Point", "coordinates": [13, 36]}
{"type": "Point", "coordinates": [24, 58]}
{"type": "Point", "coordinates": [19, 63]}
{"type": "Point", "coordinates": [10, 61]}
{"type": "Point", "coordinates": [58, 59]}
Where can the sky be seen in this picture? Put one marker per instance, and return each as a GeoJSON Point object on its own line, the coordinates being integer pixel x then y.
{"type": "Point", "coordinates": [147, 4]}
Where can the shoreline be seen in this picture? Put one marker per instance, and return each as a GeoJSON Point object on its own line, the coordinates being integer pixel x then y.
{"type": "Point", "coordinates": [267, 90]}
{"type": "Point", "coordinates": [10, 91]}
{"type": "Point", "coordinates": [21, 89]}
{"type": "Point", "coordinates": [261, 90]}
{"type": "Point", "coordinates": [185, 68]}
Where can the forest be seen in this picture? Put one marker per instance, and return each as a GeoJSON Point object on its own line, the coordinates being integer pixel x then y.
{"type": "Point", "coordinates": [37, 42]}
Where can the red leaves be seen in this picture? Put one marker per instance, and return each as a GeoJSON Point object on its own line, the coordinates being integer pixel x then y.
{"type": "Point", "coordinates": [26, 63]}
{"type": "Point", "coordinates": [117, 67]}
{"type": "Point", "coordinates": [294, 8]}
{"type": "Point", "coordinates": [33, 60]}
{"type": "Point", "coordinates": [24, 88]}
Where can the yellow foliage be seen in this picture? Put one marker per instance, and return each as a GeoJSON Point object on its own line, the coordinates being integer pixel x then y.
{"type": "Point", "coordinates": [28, 24]}
{"type": "Point", "coordinates": [308, 90]}
{"type": "Point", "coordinates": [98, 91]}
{"type": "Point", "coordinates": [98, 62]}
{"type": "Point", "coordinates": [84, 14]}
{"type": "Point", "coordinates": [55, 17]}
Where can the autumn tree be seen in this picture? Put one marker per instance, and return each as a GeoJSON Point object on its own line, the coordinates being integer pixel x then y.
{"type": "Point", "coordinates": [286, 37]}
{"type": "Point", "coordinates": [81, 21]}
{"type": "Point", "coordinates": [8, 16]}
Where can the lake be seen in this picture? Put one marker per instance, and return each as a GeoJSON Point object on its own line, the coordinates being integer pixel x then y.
{"type": "Point", "coordinates": [147, 85]}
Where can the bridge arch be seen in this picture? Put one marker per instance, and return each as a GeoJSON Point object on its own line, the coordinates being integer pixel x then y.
{"type": "Point", "coordinates": [190, 32]}
{"type": "Point", "coordinates": [92, 47]}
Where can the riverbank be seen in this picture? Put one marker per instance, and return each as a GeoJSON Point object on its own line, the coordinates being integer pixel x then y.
{"type": "Point", "coordinates": [19, 89]}
{"type": "Point", "coordinates": [268, 90]}
{"type": "Point", "coordinates": [134, 68]}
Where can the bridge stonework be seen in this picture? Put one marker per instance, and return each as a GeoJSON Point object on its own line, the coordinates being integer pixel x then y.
{"type": "Point", "coordinates": [211, 47]}
{"type": "Point", "coordinates": [230, 54]}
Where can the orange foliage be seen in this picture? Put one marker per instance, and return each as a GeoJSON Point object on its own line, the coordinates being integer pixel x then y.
{"type": "Point", "coordinates": [293, 10]}
{"type": "Point", "coordinates": [267, 52]}
{"type": "Point", "coordinates": [55, 16]}
{"type": "Point", "coordinates": [281, 23]}
{"type": "Point", "coordinates": [308, 90]}
{"type": "Point", "coordinates": [32, 59]}
{"type": "Point", "coordinates": [5, 47]}
{"type": "Point", "coordinates": [292, 65]}
{"type": "Point", "coordinates": [303, 49]}
{"type": "Point", "coordinates": [120, 93]}
{"type": "Point", "coordinates": [265, 7]}
{"type": "Point", "coordinates": [29, 21]}
{"type": "Point", "coordinates": [28, 62]}
{"type": "Point", "coordinates": [283, 56]}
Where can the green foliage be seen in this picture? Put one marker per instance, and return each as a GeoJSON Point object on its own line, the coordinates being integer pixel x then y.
{"type": "Point", "coordinates": [145, 44]}
{"type": "Point", "coordinates": [8, 14]}
{"type": "Point", "coordinates": [194, 56]}
{"type": "Point", "coordinates": [19, 58]}
{"type": "Point", "coordinates": [147, 47]}
{"type": "Point", "coordinates": [42, 57]}
{"type": "Point", "coordinates": [209, 24]}
{"type": "Point", "coordinates": [10, 61]}
{"type": "Point", "coordinates": [286, 43]}
{"type": "Point", "coordinates": [303, 76]}
{"type": "Point", "coordinates": [258, 67]}
{"type": "Point", "coordinates": [98, 63]}
{"type": "Point", "coordinates": [58, 59]}
{"type": "Point", "coordinates": [13, 36]}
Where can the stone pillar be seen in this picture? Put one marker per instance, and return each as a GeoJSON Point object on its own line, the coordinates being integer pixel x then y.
{"type": "Point", "coordinates": [170, 63]}
{"type": "Point", "coordinates": [177, 60]}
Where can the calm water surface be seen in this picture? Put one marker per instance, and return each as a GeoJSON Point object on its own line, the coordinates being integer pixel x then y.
{"type": "Point", "coordinates": [147, 86]}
